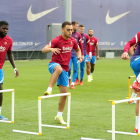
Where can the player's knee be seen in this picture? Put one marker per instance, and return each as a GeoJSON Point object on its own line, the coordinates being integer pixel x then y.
{"type": "Point", "coordinates": [82, 69]}
{"type": "Point", "coordinates": [59, 70]}
{"type": "Point", "coordinates": [75, 71]}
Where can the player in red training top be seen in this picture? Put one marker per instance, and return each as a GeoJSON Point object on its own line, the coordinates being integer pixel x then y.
{"type": "Point", "coordinates": [61, 47]}
{"type": "Point", "coordinates": [5, 47]}
{"type": "Point", "coordinates": [91, 63]}
{"type": "Point", "coordinates": [135, 65]}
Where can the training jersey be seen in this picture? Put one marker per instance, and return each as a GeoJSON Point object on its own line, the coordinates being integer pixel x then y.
{"type": "Point", "coordinates": [5, 45]}
{"type": "Point", "coordinates": [66, 46]}
{"type": "Point", "coordinates": [78, 38]}
{"type": "Point", "coordinates": [134, 40]}
{"type": "Point", "coordinates": [93, 42]}
{"type": "Point", "coordinates": [86, 44]}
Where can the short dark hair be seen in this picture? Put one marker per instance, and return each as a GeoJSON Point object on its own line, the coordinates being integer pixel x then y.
{"type": "Point", "coordinates": [74, 22]}
{"type": "Point", "coordinates": [90, 29]}
{"type": "Point", "coordinates": [81, 25]}
{"type": "Point", "coordinates": [66, 23]}
{"type": "Point", "coordinates": [3, 23]}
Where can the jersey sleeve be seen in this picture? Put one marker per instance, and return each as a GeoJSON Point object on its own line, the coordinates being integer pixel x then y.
{"type": "Point", "coordinates": [80, 43]}
{"type": "Point", "coordinates": [75, 46]}
{"type": "Point", "coordinates": [10, 47]}
{"type": "Point", "coordinates": [88, 43]}
{"type": "Point", "coordinates": [133, 41]}
{"type": "Point", "coordinates": [52, 43]}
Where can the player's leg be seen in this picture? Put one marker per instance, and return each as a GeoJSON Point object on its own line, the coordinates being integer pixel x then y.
{"type": "Point", "coordinates": [1, 94]}
{"type": "Point", "coordinates": [77, 79]}
{"type": "Point", "coordinates": [137, 113]}
{"type": "Point", "coordinates": [82, 71]}
{"type": "Point", "coordinates": [69, 73]}
{"type": "Point", "coordinates": [63, 83]}
{"type": "Point", "coordinates": [88, 67]}
{"type": "Point", "coordinates": [55, 69]}
{"type": "Point", "coordinates": [93, 60]}
{"type": "Point", "coordinates": [75, 70]}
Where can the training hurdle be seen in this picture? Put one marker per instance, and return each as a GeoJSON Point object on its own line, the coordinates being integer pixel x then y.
{"type": "Point", "coordinates": [40, 125]}
{"type": "Point", "coordinates": [12, 110]}
{"type": "Point", "coordinates": [113, 119]}
{"type": "Point", "coordinates": [129, 84]}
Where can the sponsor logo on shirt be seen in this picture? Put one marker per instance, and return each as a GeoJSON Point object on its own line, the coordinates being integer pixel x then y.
{"type": "Point", "coordinates": [2, 49]}
{"type": "Point", "coordinates": [82, 41]}
{"type": "Point", "coordinates": [66, 49]}
{"type": "Point", "coordinates": [91, 43]}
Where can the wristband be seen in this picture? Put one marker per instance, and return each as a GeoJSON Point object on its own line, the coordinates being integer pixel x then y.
{"type": "Point", "coordinates": [15, 70]}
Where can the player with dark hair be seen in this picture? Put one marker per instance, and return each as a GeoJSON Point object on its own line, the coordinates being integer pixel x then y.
{"type": "Point", "coordinates": [91, 63]}
{"type": "Point", "coordinates": [61, 47]}
{"type": "Point", "coordinates": [135, 65]}
{"type": "Point", "coordinates": [5, 47]}
{"type": "Point", "coordinates": [87, 51]}
{"type": "Point", "coordinates": [73, 59]}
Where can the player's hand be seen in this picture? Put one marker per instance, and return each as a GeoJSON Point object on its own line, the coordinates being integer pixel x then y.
{"type": "Point", "coordinates": [56, 50]}
{"type": "Point", "coordinates": [82, 57]}
{"type": "Point", "coordinates": [17, 73]}
{"type": "Point", "coordinates": [90, 57]}
{"type": "Point", "coordinates": [125, 55]}
{"type": "Point", "coordinates": [97, 57]}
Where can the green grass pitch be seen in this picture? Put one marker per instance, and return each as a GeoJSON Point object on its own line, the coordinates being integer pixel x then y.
{"type": "Point", "coordinates": [90, 109]}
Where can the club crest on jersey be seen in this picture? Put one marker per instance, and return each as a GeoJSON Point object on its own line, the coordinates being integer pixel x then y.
{"type": "Point", "coordinates": [5, 43]}
{"type": "Point", "coordinates": [83, 37]}
{"type": "Point", "coordinates": [2, 49]}
{"type": "Point", "coordinates": [71, 42]}
{"type": "Point", "coordinates": [93, 40]}
{"type": "Point", "coordinates": [75, 35]}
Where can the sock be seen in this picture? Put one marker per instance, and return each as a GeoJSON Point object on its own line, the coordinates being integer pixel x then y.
{"type": "Point", "coordinates": [49, 89]}
{"type": "Point", "coordinates": [88, 76]}
{"type": "Point", "coordinates": [133, 95]}
{"type": "Point", "coordinates": [59, 114]}
{"type": "Point", "coordinates": [137, 120]}
{"type": "Point", "coordinates": [72, 83]}
{"type": "Point", "coordinates": [0, 110]}
{"type": "Point", "coordinates": [91, 74]}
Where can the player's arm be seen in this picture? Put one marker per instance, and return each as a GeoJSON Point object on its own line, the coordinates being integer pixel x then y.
{"type": "Point", "coordinates": [11, 59]}
{"type": "Point", "coordinates": [81, 45]}
{"type": "Point", "coordinates": [97, 51]}
{"type": "Point", "coordinates": [129, 44]}
{"type": "Point", "coordinates": [131, 50]}
{"type": "Point", "coordinates": [50, 48]}
{"type": "Point", "coordinates": [89, 47]}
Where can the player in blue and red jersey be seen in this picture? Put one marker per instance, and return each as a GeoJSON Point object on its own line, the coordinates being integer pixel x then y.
{"type": "Point", "coordinates": [91, 63]}
{"type": "Point", "coordinates": [74, 60]}
{"type": "Point", "coordinates": [135, 65]}
{"type": "Point", "coordinates": [61, 47]}
{"type": "Point", "coordinates": [5, 47]}
{"type": "Point", "coordinates": [86, 44]}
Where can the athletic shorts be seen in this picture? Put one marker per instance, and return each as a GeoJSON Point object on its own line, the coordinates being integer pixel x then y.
{"type": "Point", "coordinates": [63, 77]}
{"type": "Point", "coordinates": [1, 76]}
{"type": "Point", "coordinates": [93, 60]}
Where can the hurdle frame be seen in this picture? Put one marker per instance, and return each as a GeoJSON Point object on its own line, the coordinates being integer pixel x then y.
{"type": "Point", "coordinates": [129, 84]}
{"type": "Point", "coordinates": [113, 119]}
{"type": "Point", "coordinates": [12, 109]}
{"type": "Point", "coordinates": [40, 125]}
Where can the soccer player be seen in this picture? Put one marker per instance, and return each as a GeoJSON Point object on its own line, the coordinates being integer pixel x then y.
{"type": "Point", "coordinates": [91, 63]}
{"type": "Point", "coordinates": [135, 65]}
{"type": "Point", "coordinates": [61, 47]}
{"type": "Point", "coordinates": [73, 59]}
{"type": "Point", "coordinates": [87, 51]}
{"type": "Point", "coordinates": [5, 47]}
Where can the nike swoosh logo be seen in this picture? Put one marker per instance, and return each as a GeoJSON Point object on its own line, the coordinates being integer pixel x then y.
{"type": "Point", "coordinates": [36, 43]}
{"type": "Point", "coordinates": [113, 43]}
{"type": "Point", "coordinates": [33, 17]}
{"type": "Point", "coordinates": [110, 20]}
